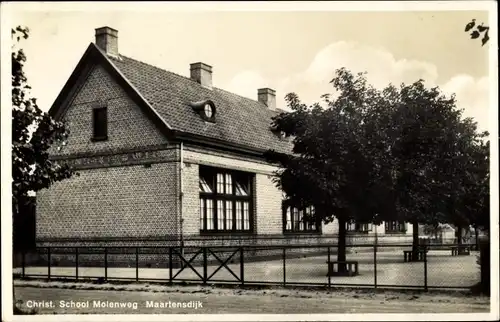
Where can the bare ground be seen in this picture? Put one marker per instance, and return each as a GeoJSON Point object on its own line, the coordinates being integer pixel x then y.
{"type": "Point", "coordinates": [443, 270]}
{"type": "Point", "coordinates": [252, 301]}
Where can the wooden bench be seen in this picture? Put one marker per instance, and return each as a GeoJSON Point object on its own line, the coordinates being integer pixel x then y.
{"type": "Point", "coordinates": [421, 255]}
{"type": "Point", "coordinates": [460, 250]}
{"type": "Point", "coordinates": [351, 268]}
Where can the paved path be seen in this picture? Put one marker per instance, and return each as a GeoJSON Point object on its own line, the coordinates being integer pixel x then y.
{"type": "Point", "coordinates": [443, 270]}
{"type": "Point", "coordinates": [235, 301]}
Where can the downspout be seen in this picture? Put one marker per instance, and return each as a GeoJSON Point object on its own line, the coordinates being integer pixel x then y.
{"type": "Point", "coordinates": [181, 196]}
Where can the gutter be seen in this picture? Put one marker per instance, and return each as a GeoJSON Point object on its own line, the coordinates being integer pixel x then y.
{"type": "Point", "coordinates": [181, 197]}
{"type": "Point", "coordinates": [221, 144]}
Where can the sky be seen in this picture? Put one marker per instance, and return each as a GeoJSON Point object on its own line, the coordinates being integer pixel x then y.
{"type": "Point", "coordinates": [289, 51]}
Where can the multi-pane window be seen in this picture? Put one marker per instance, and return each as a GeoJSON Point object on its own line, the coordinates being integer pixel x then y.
{"type": "Point", "coordinates": [395, 227]}
{"type": "Point", "coordinates": [100, 123]}
{"type": "Point", "coordinates": [359, 227]}
{"type": "Point", "coordinates": [225, 200]}
{"type": "Point", "coordinates": [299, 220]}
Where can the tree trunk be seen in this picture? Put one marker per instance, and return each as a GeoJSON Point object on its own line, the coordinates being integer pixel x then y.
{"type": "Point", "coordinates": [14, 306]}
{"type": "Point", "coordinates": [476, 232]}
{"type": "Point", "coordinates": [459, 235]}
{"type": "Point", "coordinates": [341, 251]}
{"type": "Point", "coordinates": [416, 242]}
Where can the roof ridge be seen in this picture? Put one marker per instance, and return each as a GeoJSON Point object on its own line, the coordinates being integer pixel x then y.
{"type": "Point", "coordinates": [151, 65]}
{"type": "Point", "coordinates": [187, 78]}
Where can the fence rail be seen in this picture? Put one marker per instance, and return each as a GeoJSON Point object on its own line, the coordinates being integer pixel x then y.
{"type": "Point", "coordinates": [444, 266]}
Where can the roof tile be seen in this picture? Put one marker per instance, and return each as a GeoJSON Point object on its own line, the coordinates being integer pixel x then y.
{"type": "Point", "coordinates": [239, 120]}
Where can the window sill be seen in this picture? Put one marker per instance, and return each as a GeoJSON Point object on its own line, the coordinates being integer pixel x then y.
{"type": "Point", "coordinates": [99, 138]}
{"type": "Point", "coordinates": [226, 233]}
{"type": "Point", "coordinates": [393, 232]}
{"type": "Point", "coordinates": [359, 232]}
{"type": "Point", "coordinates": [297, 233]}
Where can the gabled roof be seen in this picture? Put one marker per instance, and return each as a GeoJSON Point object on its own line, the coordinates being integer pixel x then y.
{"type": "Point", "coordinates": [240, 122]}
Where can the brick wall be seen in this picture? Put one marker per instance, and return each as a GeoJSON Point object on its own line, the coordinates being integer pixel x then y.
{"type": "Point", "coordinates": [190, 200]}
{"type": "Point", "coordinates": [132, 201]}
{"type": "Point", "coordinates": [268, 206]}
{"type": "Point", "coordinates": [119, 201]}
{"type": "Point", "coordinates": [127, 125]}
{"type": "Point", "coordinates": [267, 198]}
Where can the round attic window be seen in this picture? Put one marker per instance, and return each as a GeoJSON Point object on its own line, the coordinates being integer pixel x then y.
{"type": "Point", "coordinates": [208, 110]}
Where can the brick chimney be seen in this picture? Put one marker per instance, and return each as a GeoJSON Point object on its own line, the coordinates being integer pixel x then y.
{"type": "Point", "coordinates": [268, 97]}
{"type": "Point", "coordinates": [106, 39]}
{"type": "Point", "coordinates": [202, 74]}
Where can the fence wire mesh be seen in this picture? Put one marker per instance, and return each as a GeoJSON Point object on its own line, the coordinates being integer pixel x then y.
{"type": "Point", "coordinates": [396, 266]}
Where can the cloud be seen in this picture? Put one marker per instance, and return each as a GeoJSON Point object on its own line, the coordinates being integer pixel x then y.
{"type": "Point", "coordinates": [472, 96]}
{"type": "Point", "coordinates": [380, 64]}
{"type": "Point", "coordinates": [382, 68]}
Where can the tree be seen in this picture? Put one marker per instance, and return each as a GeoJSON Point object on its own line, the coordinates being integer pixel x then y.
{"type": "Point", "coordinates": [468, 201]}
{"type": "Point", "coordinates": [479, 29]}
{"type": "Point", "coordinates": [338, 155]}
{"type": "Point", "coordinates": [33, 133]}
{"type": "Point", "coordinates": [475, 191]}
{"type": "Point", "coordinates": [426, 139]}
{"type": "Point", "coordinates": [430, 150]}
{"type": "Point", "coordinates": [478, 187]}
{"type": "Point", "coordinates": [375, 155]}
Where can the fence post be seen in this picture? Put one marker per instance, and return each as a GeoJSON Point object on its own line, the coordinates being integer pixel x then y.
{"type": "Point", "coordinates": [105, 263]}
{"type": "Point", "coordinates": [425, 268]}
{"type": "Point", "coordinates": [284, 266]}
{"type": "Point", "coordinates": [48, 263]}
{"type": "Point", "coordinates": [170, 268]}
{"type": "Point", "coordinates": [242, 266]}
{"type": "Point", "coordinates": [375, 265]}
{"type": "Point", "coordinates": [205, 266]}
{"type": "Point", "coordinates": [137, 264]}
{"type": "Point", "coordinates": [328, 264]}
{"type": "Point", "coordinates": [23, 262]}
{"type": "Point", "coordinates": [76, 263]}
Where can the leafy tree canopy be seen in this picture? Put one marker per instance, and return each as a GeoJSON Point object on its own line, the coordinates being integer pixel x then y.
{"type": "Point", "coordinates": [336, 158]}
{"type": "Point", "coordinates": [33, 133]}
{"type": "Point", "coordinates": [401, 153]}
{"type": "Point", "coordinates": [477, 30]}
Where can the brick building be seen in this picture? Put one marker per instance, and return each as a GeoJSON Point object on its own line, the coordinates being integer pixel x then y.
{"type": "Point", "coordinates": [166, 159]}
